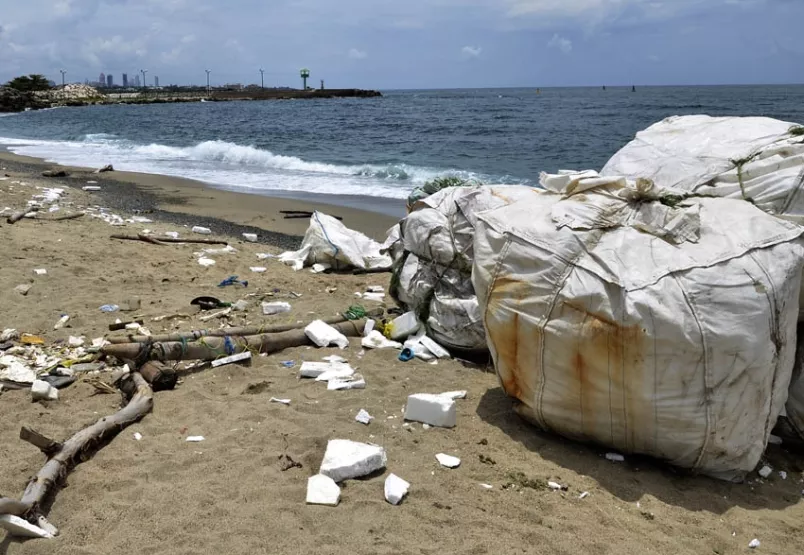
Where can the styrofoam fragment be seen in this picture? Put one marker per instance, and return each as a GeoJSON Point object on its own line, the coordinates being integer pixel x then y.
{"type": "Point", "coordinates": [374, 297]}
{"type": "Point", "coordinates": [783, 475]}
{"type": "Point", "coordinates": [206, 261]}
{"type": "Point", "coordinates": [43, 391]}
{"type": "Point", "coordinates": [448, 460]}
{"type": "Point", "coordinates": [265, 255]}
{"type": "Point", "coordinates": [765, 471]}
{"type": "Point", "coordinates": [584, 495]}
{"type": "Point", "coordinates": [250, 237]}
{"type": "Point", "coordinates": [345, 459]}
{"type": "Point", "coordinates": [314, 369]}
{"type": "Point", "coordinates": [614, 457]}
{"type": "Point", "coordinates": [138, 436]}
{"type": "Point", "coordinates": [556, 486]}
{"type": "Point", "coordinates": [404, 326]}
{"type": "Point", "coordinates": [40, 271]}
{"type": "Point", "coordinates": [322, 490]}
{"type": "Point", "coordinates": [246, 355]}
{"type": "Point", "coordinates": [318, 268]}
{"type": "Point", "coordinates": [376, 340]}
{"type": "Point", "coordinates": [336, 372]}
{"type": "Point", "coordinates": [375, 289]}
{"type": "Point", "coordinates": [258, 269]}
{"type": "Point", "coordinates": [364, 417]}
{"type": "Point", "coordinates": [395, 489]}
{"type": "Point", "coordinates": [323, 335]}
{"type": "Point", "coordinates": [437, 350]}
{"type": "Point", "coordinates": [91, 188]}
{"type": "Point", "coordinates": [334, 359]}
{"type": "Point", "coordinates": [277, 307]}
{"type": "Point", "coordinates": [19, 527]}
{"type": "Point", "coordinates": [280, 401]}
{"type": "Point", "coordinates": [195, 439]}
{"type": "Point", "coordinates": [201, 230]}
{"type": "Point", "coordinates": [454, 394]}
{"type": "Point", "coordinates": [172, 234]}
{"type": "Point", "coordinates": [754, 544]}
{"type": "Point", "coordinates": [434, 410]}
{"type": "Point", "coordinates": [341, 384]}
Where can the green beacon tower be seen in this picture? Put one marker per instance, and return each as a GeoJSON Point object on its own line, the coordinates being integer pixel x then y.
{"type": "Point", "coordinates": [305, 73]}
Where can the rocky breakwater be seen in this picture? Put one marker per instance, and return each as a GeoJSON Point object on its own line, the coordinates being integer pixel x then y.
{"type": "Point", "coordinates": [72, 95]}
{"type": "Point", "coordinates": [12, 100]}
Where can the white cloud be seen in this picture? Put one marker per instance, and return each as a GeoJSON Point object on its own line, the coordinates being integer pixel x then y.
{"type": "Point", "coordinates": [560, 43]}
{"type": "Point", "coordinates": [356, 54]}
{"type": "Point", "coordinates": [471, 51]}
{"type": "Point", "coordinates": [187, 39]}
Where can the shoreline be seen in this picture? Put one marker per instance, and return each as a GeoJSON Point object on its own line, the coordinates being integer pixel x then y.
{"type": "Point", "coordinates": [189, 202]}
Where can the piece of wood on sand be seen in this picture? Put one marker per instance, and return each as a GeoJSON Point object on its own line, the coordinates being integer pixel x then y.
{"type": "Point", "coordinates": [164, 240]}
{"type": "Point", "coordinates": [79, 448]}
{"type": "Point", "coordinates": [211, 348]}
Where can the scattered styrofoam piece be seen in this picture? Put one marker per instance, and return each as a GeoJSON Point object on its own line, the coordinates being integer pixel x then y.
{"type": "Point", "coordinates": [278, 307]}
{"type": "Point", "coordinates": [334, 359]}
{"type": "Point", "coordinates": [74, 341]}
{"type": "Point", "coordinates": [615, 457]}
{"type": "Point", "coordinates": [20, 527]}
{"type": "Point", "coordinates": [375, 297]}
{"type": "Point", "coordinates": [437, 350]}
{"type": "Point", "coordinates": [43, 391]}
{"type": "Point", "coordinates": [250, 237]}
{"type": "Point", "coordinates": [341, 384]}
{"type": "Point", "coordinates": [556, 486]}
{"type": "Point", "coordinates": [319, 268]}
{"type": "Point", "coordinates": [201, 230]}
{"type": "Point", "coordinates": [280, 401]}
{"type": "Point", "coordinates": [454, 395]}
{"type": "Point", "coordinates": [239, 357]}
{"type": "Point", "coordinates": [345, 459]}
{"type": "Point", "coordinates": [375, 289]}
{"type": "Point", "coordinates": [206, 261]}
{"type": "Point", "coordinates": [195, 439]}
{"type": "Point", "coordinates": [435, 410]}
{"type": "Point", "coordinates": [419, 351]}
{"type": "Point", "coordinates": [322, 490]}
{"type": "Point", "coordinates": [404, 326]}
{"type": "Point", "coordinates": [584, 495]}
{"type": "Point", "coordinates": [754, 544]}
{"type": "Point", "coordinates": [323, 335]}
{"type": "Point", "coordinates": [40, 272]}
{"type": "Point", "coordinates": [258, 269]}
{"type": "Point", "coordinates": [486, 486]}
{"type": "Point", "coordinates": [314, 369]}
{"type": "Point", "coordinates": [172, 234]}
{"type": "Point", "coordinates": [369, 327]}
{"type": "Point", "coordinates": [91, 188]}
{"type": "Point", "coordinates": [8, 334]}
{"type": "Point", "coordinates": [338, 371]}
{"type": "Point", "coordinates": [783, 475]}
{"type": "Point", "coordinates": [765, 471]}
{"type": "Point", "coordinates": [364, 417]}
{"type": "Point", "coordinates": [138, 436]}
{"type": "Point", "coordinates": [376, 340]}
{"type": "Point", "coordinates": [265, 255]}
{"type": "Point", "coordinates": [395, 489]}
{"type": "Point", "coordinates": [448, 461]}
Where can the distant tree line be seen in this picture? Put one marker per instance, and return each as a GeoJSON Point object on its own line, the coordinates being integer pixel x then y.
{"type": "Point", "coordinates": [29, 83]}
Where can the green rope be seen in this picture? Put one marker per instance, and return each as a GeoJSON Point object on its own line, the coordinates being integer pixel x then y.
{"type": "Point", "coordinates": [355, 312]}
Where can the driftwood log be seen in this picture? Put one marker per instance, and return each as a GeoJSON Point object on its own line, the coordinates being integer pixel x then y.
{"type": "Point", "coordinates": [211, 348]}
{"type": "Point", "coordinates": [163, 240]}
{"type": "Point", "coordinates": [17, 216]}
{"type": "Point", "coordinates": [73, 451]}
{"type": "Point", "coordinates": [223, 332]}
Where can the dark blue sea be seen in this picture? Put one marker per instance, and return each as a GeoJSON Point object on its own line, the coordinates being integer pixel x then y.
{"type": "Point", "coordinates": [380, 147]}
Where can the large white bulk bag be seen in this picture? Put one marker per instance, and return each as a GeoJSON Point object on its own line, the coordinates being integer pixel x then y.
{"type": "Point", "coordinates": [760, 159]}
{"type": "Point", "coordinates": [433, 261]}
{"type": "Point", "coordinates": [618, 317]}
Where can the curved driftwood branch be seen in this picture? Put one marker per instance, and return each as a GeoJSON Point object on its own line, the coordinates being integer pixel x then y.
{"type": "Point", "coordinates": [161, 240]}
{"type": "Point", "coordinates": [210, 348]}
{"type": "Point", "coordinates": [76, 450]}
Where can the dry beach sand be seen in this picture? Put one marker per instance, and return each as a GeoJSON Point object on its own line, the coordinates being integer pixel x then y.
{"type": "Point", "coordinates": [228, 494]}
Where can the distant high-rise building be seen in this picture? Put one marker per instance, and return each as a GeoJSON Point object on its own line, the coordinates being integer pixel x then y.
{"type": "Point", "coordinates": [136, 80]}
{"type": "Point", "coordinates": [109, 81]}
{"type": "Point", "coordinates": [156, 81]}
{"type": "Point", "coordinates": [102, 79]}
{"type": "Point", "coordinates": [125, 79]}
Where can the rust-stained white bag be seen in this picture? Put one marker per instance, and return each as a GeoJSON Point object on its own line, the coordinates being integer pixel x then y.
{"type": "Point", "coordinates": [616, 315]}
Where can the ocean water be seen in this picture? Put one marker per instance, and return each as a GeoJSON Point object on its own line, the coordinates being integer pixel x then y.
{"type": "Point", "coordinates": [380, 147]}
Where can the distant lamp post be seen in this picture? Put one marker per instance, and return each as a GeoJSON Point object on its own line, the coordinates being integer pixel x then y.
{"type": "Point", "coordinates": [63, 73]}
{"type": "Point", "coordinates": [262, 78]}
{"type": "Point", "coordinates": [208, 72]}
{"type": "Point", "coordinates": [144, 84]}
{"type": "Point", "coordinates": [305, 73]}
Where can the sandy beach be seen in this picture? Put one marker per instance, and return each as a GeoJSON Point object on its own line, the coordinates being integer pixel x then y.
{"type": "Point", "coordinates": [228, 494]}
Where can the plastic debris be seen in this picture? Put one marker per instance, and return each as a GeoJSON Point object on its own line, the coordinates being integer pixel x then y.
{"type": "Point", "coordinates": [91, 188]}
{"type": "Point", "coordinates": [364, 417]}
{"type": "Point", "coordinates": [288, 363]}
{"type": "Point", "coordinates": [615, 457]}
{"type": "Point", "coordinates": [754, 544]}
{"type": "Point", "coordinates": [765, 471]}
{"type": "Point", "coordinates": [206, 261]}
{"type": "Point", "coordinates": [269, 309]}
{"type": "Point", "coordinates": [322, 490]}
{"type": "Point", "coordinates": [28, 339]}
{"type": "Point", "coordinates": [250, 237]}
{"type": "Point", "coordinates": [404, 326]}
{"type": "Point", "coordinates": [454, 395]}
{"type": "Point", "coordinates": [406, 354]}
{"type": "Point", "coordinates": [369, 327]}
{"type": "Point", "coordinates": [486, 486]}
{"type": "Point", "coordinates": [258, 269]}
{"type": "Point", "coordinates": [109, 308]}
{"type": "Point", "coordinates": [337, 371]}
{"type": "Point", "coordinates": [40, 272]}
{"type": "Point", "coordinates": [74, 341]}
{"type": "Point", "coordinates": [434, 410]}
{"type": "Point", "coordinates": [345, 459]}
{"type": "Point", "coordinates": [62, 321]}
{"type": "Point", "coordinates": [375, 289]}
{"type": "Point", "coordinates": [319, 268]}
{"type": "Point", "coordinates": [437, 350]}
{"type": "Point", "coordinates": [334, 359]}
{"type": "Point", "coordinates": [584, 495]}
{"type": "Point", "coordinates": [375, 297]}
{"type": "Point", "coordinates": [19, 527]}
{"type": "Point", "coordinates": [43, 391]}
{"type": "Point", "coordinates": [195, 439]}
{"type": "Point", "coordinates": [265, 255]}
{"type": "Point", "coordinates": [395, 489]}
{"type": "Point", "coordinates": [172, 234]}
{"type": "Point", "coordinates": [376, 340]}
{"type": "Point", "coordinates": [280, 401]}
{"type": "Point", "coordinates": [555, 486]}
{"type": "Point", "coordinates": [239, 357]}
{"type": "Point", "coordinates": [201, 230]}
{"type": "Point", "coordinates": [138, 436]}
{"type": "Point", "coordinates": [341, 384]}
{"type": "Point", "coordinates": [232, 280]}
{"type": "Point", "coordinates": [783, 475]}
{"type": "Point", "coordinates": [448, 461]}
{"type": "Point", "coordinates": [9, 334]}
{"type": "Point", "coordinates": [323, 335]}
{"type": "Point", "coordinates": [240, 305]}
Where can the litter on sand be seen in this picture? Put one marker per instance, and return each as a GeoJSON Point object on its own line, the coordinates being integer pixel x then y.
{"type": "Point", "coordinates": [278, 307]}
{"type": "Point", "coordinates": [395, 489]}
{"type": "Point", "coordinates": [615, 457]}
{"type": "Point", "coordinates": [240, 357]}
{"type": "Point", "coordinates": [435, 410]}
{"type": "Point", "coordinates": [195, 439]}
{"type": "Point", "coordinates": [364, 417]}
{"type": "Point", "coordinates": [345, 459]}
{"type": "Point", "coordinates": [19, 527]}
{"type": "Point", "coordinates": [322, 490]}
{"type": "Point", "coordinates": [340, 384]}
{"type": "Point", "coordinates": [448, 461]}
{"type": "Point", "coordinates": [280, 401]}
{"type": "Point", "coordinates": [323, 335]}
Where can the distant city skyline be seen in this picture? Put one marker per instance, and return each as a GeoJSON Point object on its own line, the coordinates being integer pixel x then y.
{"type": "Point", "coordinates": [412, 44]}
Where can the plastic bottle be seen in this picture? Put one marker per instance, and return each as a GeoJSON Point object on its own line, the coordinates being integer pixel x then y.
{"type": "Point", "coordinates": [62, 321]}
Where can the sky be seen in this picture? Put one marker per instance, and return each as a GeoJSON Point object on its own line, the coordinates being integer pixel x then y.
{"type": "Point", "coordinates": [408, 44]}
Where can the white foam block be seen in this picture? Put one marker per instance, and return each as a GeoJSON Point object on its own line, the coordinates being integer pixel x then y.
{"type": "Point", "coordinates": [250, 237]}
{"type": "Point", "coordinates": [43, 391]}
{"type": "Point", "coordinates": [322, 490]}
{"type": "Point", "coordinates": [376, 340]}
{"type": "Point", "coordinates": [364, 417]}
{"type": "Point", "coordinates": [239, 357]}
{"type": "Point", "coordinates": [345, 459]}
{"type": "Point", "coordinates": [19, 527]}
{"type": "Point", "coordinates": [435, 410]}
{"type": "Point", "coordinates": [433, 347]}
{"type": "Point", "coordinates": [323, 335]}
{"type": "Point", "coordinates": [338, 371]}
{"type": "Point", "coordinates": [195, 439]}
{"type": "Point", "coordinates": [448, 460]}
{"type": "Point", "coordinates": [341, 384]}
{"type": "Point", "coordinates": [314, 369]}
{"type": "Point", "coordinates": [454, 395]}
{"type": "Point", "coordinates": [395, 489]}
